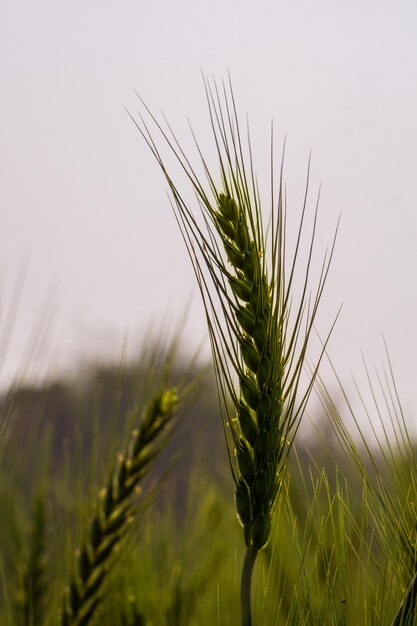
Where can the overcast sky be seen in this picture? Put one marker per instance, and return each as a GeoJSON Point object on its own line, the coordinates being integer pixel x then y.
{"type": "Point", "coordinates": [84, 214]}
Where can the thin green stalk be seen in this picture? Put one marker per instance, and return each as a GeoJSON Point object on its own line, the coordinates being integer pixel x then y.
{"type": "Point", "coordinates": [246, 586]}
{"type": "Point", "coordinates": [407, 610]}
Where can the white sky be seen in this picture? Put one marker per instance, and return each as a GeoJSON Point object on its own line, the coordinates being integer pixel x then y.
{"type": "Point", "coordinates": [84, 207]}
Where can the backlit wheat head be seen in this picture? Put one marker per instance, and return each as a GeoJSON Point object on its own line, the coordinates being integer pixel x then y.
{"type": "Point", "coordinates": [258, 333]}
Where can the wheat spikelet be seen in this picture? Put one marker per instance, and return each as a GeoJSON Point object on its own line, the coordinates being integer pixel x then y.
{"type": "Point", "coordinates": [114, 511]}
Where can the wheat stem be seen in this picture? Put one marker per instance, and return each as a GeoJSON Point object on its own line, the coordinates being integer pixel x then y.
{"type": "Point", "coordinates": [407, 610]}
{"type": "Point", "coordinates": [246, 585]}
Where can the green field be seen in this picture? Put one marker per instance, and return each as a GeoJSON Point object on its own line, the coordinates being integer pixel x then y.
{"type": "Point", "coordinates": [342, 548]}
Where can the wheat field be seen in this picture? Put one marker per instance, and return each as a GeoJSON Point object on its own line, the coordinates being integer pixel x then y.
{"type": "Point", "coordinates": [166, 493]}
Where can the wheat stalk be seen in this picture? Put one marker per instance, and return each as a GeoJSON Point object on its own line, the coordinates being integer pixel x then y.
{"type": "Point", "coordinates": [114, 511]}
{"type": "Point", "coordinates": [257, 340]}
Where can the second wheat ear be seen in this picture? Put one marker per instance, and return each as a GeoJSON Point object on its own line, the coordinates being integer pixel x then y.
{"type": "Point", "coordinates": [114, 511]}
{"type": "Point", "coordinates": [259, 330]}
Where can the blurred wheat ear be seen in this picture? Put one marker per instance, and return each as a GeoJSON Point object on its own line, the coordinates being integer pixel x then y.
{"type": "Point", "coordinates": [258, 329]}
{"type": "Point", "coordinates": [30, 605]}
{"type": "Point", "coordinates": [114, 510]}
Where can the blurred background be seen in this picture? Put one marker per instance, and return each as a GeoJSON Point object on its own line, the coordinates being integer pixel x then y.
{"type": "Point", "coordinates": [90, 254]}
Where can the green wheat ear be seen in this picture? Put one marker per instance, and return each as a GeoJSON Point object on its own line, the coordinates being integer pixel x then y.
{"type": "Point", "coordinates": [114, 511]}
{"type": "Point", "coordinates": [259, 333]}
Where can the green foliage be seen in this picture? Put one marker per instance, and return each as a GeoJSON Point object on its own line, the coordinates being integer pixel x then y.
{"type": "Point", "coordinates": [69, 481]}
{"type": "Point", "coordinates": [330, 560]}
